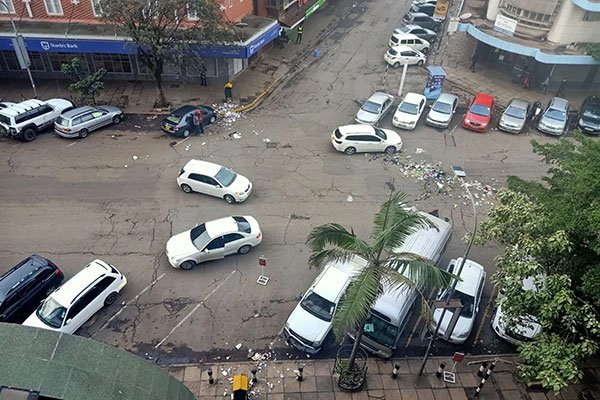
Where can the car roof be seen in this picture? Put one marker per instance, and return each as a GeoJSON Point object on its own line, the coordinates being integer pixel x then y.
{"type": "Point", "coordinates": [413, 98]}
{"type": "Point", "coordinates": [77, 111]}
{"type": "Point", "coordinates": [423, 242]}
{"type": "Point", "coordinates": [354, 129]}
{"type": "Point", "coordinates": [471, 275]}
{"type": "Point", "coordinates": [559, 103]}
{"type": "Point", "coordinates": [447, 98]}
{"type": "Point", "coordinates": [380, 97]}
{"type": "Point", "coordinates": [20, 272]}
{"type": "Point", "coordinates": [221, 226]}
{"type": "Point", "coordinates": [403, 47]}
{"type": "Point", "coordinates": [484, 99]}
{"type": "Point", "coordinates": [181, 111]}
{"type": "Point", "coordinates": [519, 103]}
{"type": "Point", "coordinates": [205, 167]}
{"type": "Point", "coordinates": [336, 277]}
{"type": "Point", "coordinates": [405, 35]}
{"type": "Point", "coordinates": [19, 108]}
{"type": "Point", "coordinates": [68, 292]}
{"type": "Point", "coordinates": [418, 14]}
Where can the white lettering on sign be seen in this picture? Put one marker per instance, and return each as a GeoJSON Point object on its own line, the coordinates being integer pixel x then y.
{"type": "Point", "coordinates": [505, 25]}
{"type": "Point", "coordinates": [58, 45]}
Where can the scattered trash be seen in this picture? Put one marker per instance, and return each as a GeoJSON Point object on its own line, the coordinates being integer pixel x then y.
{"type": "Point", "coordinates": [137, 126]}
{"type": "Point", "coordinates": [135, 157]}
{"type": "Point", "coordinates": [236, 136]}
{"type": "Point", "coordinates": [125, 165]}
{"type": "Point", "coordinates": [227, 114]}
{"type": "Point", "coordinates": [238, 346]}
{"type": "Point", "coordinates": [419, 150]}
{"type": "Point", "coordinates": [152, 117]}
{"type": "Point", "coordinates": [349, 199]}
{"type": "Point", "coordinates": [203, 143]}
{"type": "Point", "coordinates": [266, 140]}
{"type": "Point", "coordinates": [224, 373]}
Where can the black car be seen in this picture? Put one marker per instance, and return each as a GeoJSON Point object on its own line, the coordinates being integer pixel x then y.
{"type": "Point", "coordinates": [416, 30]}
{"type": "Point", "coordinates": [23, 287]}
{"type": "Point", "coordinates": [428, 9]}
{"type": "Point", "coordinates": [180, 122]}
{"type": "Point", "coordinates": [421, 19]}
{"type": "Point", "coordinates": [589, 115]}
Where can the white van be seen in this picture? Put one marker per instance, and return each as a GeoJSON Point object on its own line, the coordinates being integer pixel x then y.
{"type": "Point", "coordinates": [410, 40]}
{"type": "Point", "coordinates": [393, 309]}
{"type": "Point", "coordinates": [310, 322]}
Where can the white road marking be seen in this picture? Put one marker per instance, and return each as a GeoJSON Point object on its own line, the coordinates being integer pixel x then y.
{"type": "Point", "coordinates": [182, 141]}
{"type": "Point", "coordinates": [195, 308]}
{"type": "Point", "coordinates": [130, 302]}
{"type": "Point", "coordinates": [72, 144]}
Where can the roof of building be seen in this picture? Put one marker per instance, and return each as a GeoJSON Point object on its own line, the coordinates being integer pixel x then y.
{"type": "Point", "coordinates": [69, 367]}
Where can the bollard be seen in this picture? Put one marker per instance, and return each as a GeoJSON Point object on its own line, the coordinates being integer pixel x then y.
{"type": "Point", "coordinates": [211, 380]}
{"type": "Point", "coordinates": [253, 379]}
{"type": "Point", "coordinates": [478, 390]}
{"type": "Point", "coordinates": [395, 371]}
{"type": "Point", "coordinates": [482, 368]}
{"type": "Point", "coordinates": [440, 369]}
{"type": "Point", "coordinates": [299, 376]}
{"type": "Point", "coordinates": [490, 370]}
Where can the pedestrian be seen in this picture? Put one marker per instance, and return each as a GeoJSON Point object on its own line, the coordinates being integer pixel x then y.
{"type": "Point", "coordinates": [474, 60]}
{"type": "Point", "coordinates": [198, 122]}
{"type": "Point", "coordinates": [545, 84]}
{"type": "Point", "coordinates": [228, 91]}
{"type": "Point", "coordinates": [299, 34]}
{"type": "Point", "coordinates": [561, 88]}
{"type": "Point", "coordinates": [526, 80]}
{"type": "Point", "coordinates": [203, 80]}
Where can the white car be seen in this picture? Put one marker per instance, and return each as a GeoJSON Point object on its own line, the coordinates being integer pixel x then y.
{"type": "Point", "coordinates": [352, 139]}
{"type": "Point", "coordinates": [409, 111]}
{"type": "Point", "coordinates": [399, 55]}
{"type": "Point", "coordinates": [215, 180]}
{"type": "Point", "coordinates": [76, 301]}
{"type": "Point", "coordinates": [213, 240]}
{"type": "Point", "coordinates": [469, 292]}
{"type": "Point", "coordinates": [374, 109]}
{"type": "Point", "coordinates": [442, 111]}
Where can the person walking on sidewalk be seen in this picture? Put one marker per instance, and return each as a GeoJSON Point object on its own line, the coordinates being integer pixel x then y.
{"type": "Point", "coordinates": [474, 60]}
{"type": "Point", "coordinates": [203, 81]}
{"type": "Point", "coordinates": [299, 34]}
{"type": "Point", "coordinates": [198, 122]}
{"type": "Point", "coordinates": [545, 84]}
{"type": "Point", "coordinates": [228, 91]}
{"type": "Point", "coordinates": [561, 88]}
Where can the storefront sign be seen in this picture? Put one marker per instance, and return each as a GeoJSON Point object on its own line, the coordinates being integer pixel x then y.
{"type": "Point", "coordinates": [505, 25]}
{"type": "Point", "coordinates": [314, 8]}
{"type": "Point", "coordinates": [441, 9]}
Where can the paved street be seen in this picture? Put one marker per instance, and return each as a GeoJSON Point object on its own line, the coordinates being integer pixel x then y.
{"type": "Point", "coordinates": [113, 196]}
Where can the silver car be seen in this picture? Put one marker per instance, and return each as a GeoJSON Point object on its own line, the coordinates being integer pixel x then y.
{"type": "Point", "coordinates": [555, 117]}
{"type": "Point", "coordinates": [80, 121]}
{"type": "Point", "coordinates": [442, 111]}
{"type": "Point", "coordinates": [514, 116]}
{"type": "Point", "coordinates": [374, 109]}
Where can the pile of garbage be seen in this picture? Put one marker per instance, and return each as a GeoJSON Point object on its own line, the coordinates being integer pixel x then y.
{"type": "Point", "coordinates": [227, 115]}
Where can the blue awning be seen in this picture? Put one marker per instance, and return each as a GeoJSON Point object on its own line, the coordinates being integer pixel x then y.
{"type": "Point", "coordinates": [587, 5]}
{"type": "Point", "coordinates": [533, 52]}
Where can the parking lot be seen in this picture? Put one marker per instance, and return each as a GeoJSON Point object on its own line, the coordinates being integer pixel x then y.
{"type": "Point", "coordinates": [114, 196]}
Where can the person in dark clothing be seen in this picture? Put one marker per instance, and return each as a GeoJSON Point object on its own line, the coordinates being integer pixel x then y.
{"type": "Point", "coordinates": [198, 122]}
{"type": "Point", "coordinates": [299, 34]}
{"type": "Point", "coordinates": [203, 80]}
{"type": "Point", "coordinates": [474, 60]}
{"type": "Point", "coordinates": [561, 88]}
{"type": "Point", "coordinates": [228, 91]}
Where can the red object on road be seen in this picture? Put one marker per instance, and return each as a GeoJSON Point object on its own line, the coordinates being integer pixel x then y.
{"type": "Point", "coordinates": [479, 114]}
{"type": "Point", "coordinates": [262, 261]}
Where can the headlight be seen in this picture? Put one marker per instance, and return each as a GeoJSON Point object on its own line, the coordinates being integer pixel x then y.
{"type": "Point", "coordinates": [581, 122]}
{"type": "Point", "coordinates": [483, 124]}
{"type": "Point", "coordinates": [467, 121]}
{"type": "Point", "coordinates": [239, 193]}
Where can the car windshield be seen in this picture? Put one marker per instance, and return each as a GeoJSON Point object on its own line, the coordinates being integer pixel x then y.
{"type": "Point", "coordinates": [380, 330]}
{"type": "Point", "coordinates": [318, 306]}
{"type": "Point", "coordinates": [62, 121]}
{"type": "Point", "coordinates": [380, 133]}
{"type": "Point", "coordinates": [199, 236]}
{"type": "Point", "coordinates": [516, 112]}
{"type": "Point", "coordinates": [592, 112]}
{"type": "Point", "coordinates": [409, 108]}
{"type": "Point", "coordinates": [557, 115]}
{"type": "Point", "coordinates": [226, 176]}
{"type": "Point", "coordinates": [467, 301]}
{"type": "Point", "coordinates": [51, 313]}
{"type": "Point", "coordinates": [478, 109]}
{"type": "Point", "coordinates": [441, 107]}
{"type": "Point", "coordinates": [371, 107]}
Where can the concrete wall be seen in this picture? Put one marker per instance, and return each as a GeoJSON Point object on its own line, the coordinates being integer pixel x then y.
{"type": "Point", "coordinates": [492, 10]}
{"type": "Point", "coordinates": [569, 26]}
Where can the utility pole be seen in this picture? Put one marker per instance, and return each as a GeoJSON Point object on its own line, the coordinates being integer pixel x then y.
{"type": "Point", "coordinates": [404, 68]}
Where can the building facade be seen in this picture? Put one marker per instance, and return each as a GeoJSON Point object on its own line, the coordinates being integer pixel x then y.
{"type": "Point", "coordinates": [289, 13]}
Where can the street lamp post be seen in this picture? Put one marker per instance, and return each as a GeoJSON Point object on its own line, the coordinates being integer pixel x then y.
{"type": "Point", "coordinates": [460, 173]}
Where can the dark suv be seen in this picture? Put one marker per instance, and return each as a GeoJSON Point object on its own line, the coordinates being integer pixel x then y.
{"type": "Point", "coordinates": [25, 286]}
{"type": "Point", "coordinates": [589, 116]}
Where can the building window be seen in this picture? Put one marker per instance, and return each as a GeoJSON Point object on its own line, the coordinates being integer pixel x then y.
{"type": "Point", "coordinates": [58, 59]}
{"type": "Point", "coordinates": [53, 7]}
{"type": "Point", "coordinates": [192, 66]}
{"type": "Point", "coordinates": [97, 7]}
{"type": "Point", "coordinates": [170, 68]}
{"type": "Point", "coordinates": [591, 16]}
{"type": "Point", "coordinates": [116, 63]}
{"type": "Point", "coordinates": [7, 7]}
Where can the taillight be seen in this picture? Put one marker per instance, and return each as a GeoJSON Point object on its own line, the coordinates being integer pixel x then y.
{"type": "Point", "coordinates": [181, 171]}
{"type": "Point", "coordinates": [58, 272]}
{"type": "Point", "coordinates": [259, 235]}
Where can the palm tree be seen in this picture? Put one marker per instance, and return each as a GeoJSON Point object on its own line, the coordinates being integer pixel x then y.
{"type": "Point", "coordinates": [391, 226]}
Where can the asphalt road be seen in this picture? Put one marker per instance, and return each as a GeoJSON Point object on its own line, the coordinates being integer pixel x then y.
{"type": "Point", "coordinates": [76, 200]}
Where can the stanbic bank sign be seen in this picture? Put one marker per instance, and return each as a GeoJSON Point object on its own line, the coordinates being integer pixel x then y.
{"type": "Point", "coordinates": [505, 25]}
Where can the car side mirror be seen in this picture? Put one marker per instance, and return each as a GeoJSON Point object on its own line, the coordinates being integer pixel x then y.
{"type": "Point", "coordinates": [67, 322]}
{"type": "Point", "coordinates": [218, 185]}
{"type": "Point", "coordinates": [205, 250]}
{"type": "Point", "coordinates": [300, 296]}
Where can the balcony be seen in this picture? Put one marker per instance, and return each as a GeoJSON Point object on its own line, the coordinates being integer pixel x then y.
{"type": "Point", "coordinates": [295, 13]}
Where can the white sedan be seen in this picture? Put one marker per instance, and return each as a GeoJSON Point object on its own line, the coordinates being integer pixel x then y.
{"type": "Point", "coordinates": [399, 55]}
{"type": "Point", "coordinates": [409, 111]}
{"type": "Point", "coordinates": [374, 109]}
{"type": "Point", "coordinates": [213, 240]}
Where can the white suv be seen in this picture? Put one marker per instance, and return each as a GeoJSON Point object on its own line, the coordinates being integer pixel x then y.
{"type": "Point", "coordinates": [72, 304]}
{"type": "Point", "coordinates": [365, 139]}
{"type": "Point", "coordinates": [215, 180]}
{"type": "Point", "coordinates": [26, 119]}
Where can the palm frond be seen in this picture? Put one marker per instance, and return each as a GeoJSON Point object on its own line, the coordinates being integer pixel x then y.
{"type": "Point", "coordinates": [355, 305]}
{"type": "Point", "coordinates": [418, 270]}
{"type": "Point", "coordinates": [335, 236]}
{"type": "Point", "coordinates": [319, 258]}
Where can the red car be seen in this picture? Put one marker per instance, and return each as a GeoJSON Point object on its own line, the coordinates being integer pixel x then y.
{"type": "Point", "coordinates": [479, 114]}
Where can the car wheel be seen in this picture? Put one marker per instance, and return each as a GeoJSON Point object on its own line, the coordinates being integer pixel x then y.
{"type": "Point", "coordinates": [186, 188]}
{"type": "Point", "coordinates": [229, 199]}
{"type": "Point", "coordinates": [425, 50]}
{"type": "Point", "coordinates": [419, 63]}
{"type": "Point", "coordinates": [111, 298]}
{"type": "Point", "coordinates": [390, 150]}
{"type": "Point", "coordinates": [213, 119]}
{"type": "Point", "coordinates": [186, 133]}
{"type": "Point", "coordinates": [83, 133]}
{"type": "Point", "coordinates": [397, 65]}
{"type": "Point", "coordinates": [117, 119]}
{"type": "Point", "coordinates": [350, 150]}
{"type": "Point", "coordinates": [245, 249]}
{"type": "Point", "coordinates": [187, 265]}
{"type": "Point", "coordinates": [29, 135]}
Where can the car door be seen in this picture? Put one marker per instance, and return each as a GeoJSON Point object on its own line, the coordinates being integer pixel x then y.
{"type": "Point", "coordinates": [233, 241]}
{"type": "Point", "coordinates": [421, 107]}
{"type": "Point", "coordinates": [386, 107]}
{"type": "Point", "coordinates": [374, 143]}
{"type": "Point", "coordinates": [409, 57]}
{"type": "Point", "coordinates": [214, 250]}
{"type": "Point", "coordinates": [213, 187]}
{"type": "Point", "coordinates": [204, 184]}
{"type": "Point", "coordinates": [99, 119]}
{"type": "Point", "coordinates": [87, 122]}
{"type": "Point", "coordinates": [356, 141]}
{"type": "Point", "coordinates": [77, 314]}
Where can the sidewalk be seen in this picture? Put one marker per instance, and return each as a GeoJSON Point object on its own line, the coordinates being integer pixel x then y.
{"type": "Point", "coordinates": [277, 381]}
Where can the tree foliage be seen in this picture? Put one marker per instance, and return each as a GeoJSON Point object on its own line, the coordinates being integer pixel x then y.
{"type": "Point", "coordinates": [163, 32]}
{"type": "Point", "coordinates": [86, 87]}
{"type": "Point", "coordinates": [593, 50]}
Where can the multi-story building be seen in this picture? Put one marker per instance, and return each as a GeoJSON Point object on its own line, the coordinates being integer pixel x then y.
{"type": "Point", "coordinates": [289, 13]}
{"type": "Point", "coordinates": [55, 31]}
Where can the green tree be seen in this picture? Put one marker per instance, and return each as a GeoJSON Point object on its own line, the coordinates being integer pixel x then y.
{"type": "Point", "coordinates": [593, 50]}
{"type": "Point", "coordinates": [391, 226]}
{"type": "Point", "coordinates": [163, 32]}
{"type": "Point", "coordinates": [85, 87]}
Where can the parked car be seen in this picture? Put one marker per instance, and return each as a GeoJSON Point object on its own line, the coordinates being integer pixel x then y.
{"type": "Point", "coordinates": [80, 121]}
{"type": "Point", "coordinates": [589, 115]}
{"type": "Point", "coordinates": [374, 109]}
{"type": "Point", "coordinates": [409, 111]}
{"type": "Point", "coordinates": [24, 286]}
{"type": "Point", "coordinates": [442, 111]}
{"type": "Point", "coordinates": [418, 31]}
{"type": "Point", "coordinates": [514, 116]}
{"type": "Point", "coordinates": [213, 240]}
{"type": "Point", "coordinates": [421, 19]}
{"type": "Point", "coordinates": [82, 296]}
{"type": "Point", "coordinates": [26, 119]}
{"type": "Point", "coordinates": [215, 180]}
{"type": "Point", "coordinates": [554, 119]}
{"type": "Point", "coordinates": [469, 292]}
{"type": "Point", "coordinates": [365, 139]}
{"type": "Point", "coordinates": [410, 40]}
{"type": "Point", "coordinates": [479, 114]}
{"type": "Point", "coordinates": [179, 122]}
{"type": "Point", "coordinates": [424, 8]}
{"type": "Point", "coordinates": [396, 56]}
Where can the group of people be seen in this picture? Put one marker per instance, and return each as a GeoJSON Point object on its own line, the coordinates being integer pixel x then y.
{"type": "Point", "coordinates": [283, 38]}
